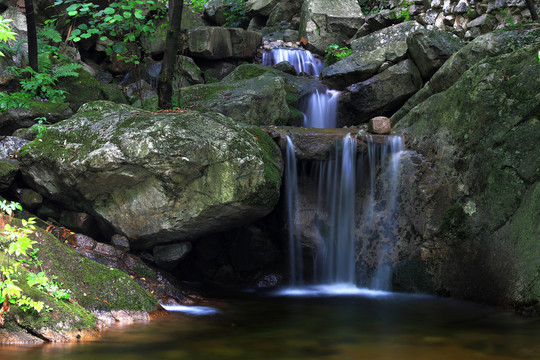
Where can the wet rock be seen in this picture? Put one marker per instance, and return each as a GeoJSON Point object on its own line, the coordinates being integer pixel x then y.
{"type": "Point", "coordinates": [382, 94]}
{"type": "Point", "coordinates": [120, 242]}
{"type": "Point", "coordinates": [476, 192]}
{"type": "Point", "coordinates": [360, 66]}
{"type": "Point", "coordinates": [257, 101]}
{"type": "Point", "coordinates": [430, 49]}
{"type": "Point", "coordinates": [286, 67]}
{"type": "Point", "coordinates": [260, 7]}
{"type": "Point", "coordinates": [223, 43]}
{"type": "Point", "coordinates": [324, 23]}
{"type": "Point", "coordinates": [167, 257]}
{"type": "Point", "coordinates": [29, 199]}
{"type": "Point", "coordinates": [392, 34]}
{"type": "Point", "coordinates": [380, 125]}
{"type": "Point", "coordinates": [488, 45]}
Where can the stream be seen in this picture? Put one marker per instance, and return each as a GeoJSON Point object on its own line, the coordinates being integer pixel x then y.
{"type": "Point", "coordinates": [366, 325]}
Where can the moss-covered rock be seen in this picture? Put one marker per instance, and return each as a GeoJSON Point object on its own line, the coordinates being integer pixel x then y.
{"type": "Point", "coordinates": [256, 101]}
{"type": "Point", "coordinates": [481, 190]}
{"type": "Point", "coordinates": [81, 89]}
{"type": "Point", "coordinates": [92, 287]}
{"type": "Point", "coordinates": [157, 178]}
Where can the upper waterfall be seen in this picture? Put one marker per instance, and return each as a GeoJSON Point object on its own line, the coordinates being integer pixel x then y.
{"type": "Point", "coordinates": [302, 60]}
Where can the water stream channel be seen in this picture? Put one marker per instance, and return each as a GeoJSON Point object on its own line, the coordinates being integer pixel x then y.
{"type": "Point", "coordinates": [328, 316]}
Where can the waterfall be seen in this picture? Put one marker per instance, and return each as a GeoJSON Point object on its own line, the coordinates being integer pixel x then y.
{"type": "Point", "coordinates": [335, 261]}
{"type": "Point", "coordinates": [320, 109]}
{"type": "Point", "coordinates": [302, 60]}
{"type": "Point", "coordinates": [385, 158]}
{"type": "Point", "coordinates": [291, 195]}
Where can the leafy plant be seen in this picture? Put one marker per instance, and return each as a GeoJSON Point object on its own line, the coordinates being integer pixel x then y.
{"type": "Point", "coordinates": [403, 11]}
{"type": "Point", "coordinates": [16, 243]}
{"type": "Point", "coordinates": [40, 126]}
{"type": "Point", "coordinates": [5, 31]}
{"type": "Point", "coordinates": [121, 23]}
{"type": "Point", "coordinates": [335, 53]}
{"type": "Point", "coordinates": [236, 14]}
{"type": "Point", "coordinates": [197, 6]}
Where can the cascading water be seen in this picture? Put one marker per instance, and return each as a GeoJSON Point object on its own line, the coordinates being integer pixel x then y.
{"type": "Point", "coordinates": [291, 194]}
{"type": "Point", "coordinates": [321, 106]}
{"type": "Point", "coordinates": [320, 109]}
{"type": "Point", "coordinates": [302, 60]}
{"type": "Point", "coordinates": [386, 158]}
{"type": "Point", "coordinates": [336, 227]}
{"type": "Point", "coordinates": [337, 188]}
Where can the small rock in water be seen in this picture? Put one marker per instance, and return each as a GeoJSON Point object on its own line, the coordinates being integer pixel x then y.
{"type": "Point", "coordinates": [379, 125]}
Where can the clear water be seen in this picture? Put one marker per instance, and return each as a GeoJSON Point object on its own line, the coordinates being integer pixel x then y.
{"type": "Point", "coordinates": [361, 326]}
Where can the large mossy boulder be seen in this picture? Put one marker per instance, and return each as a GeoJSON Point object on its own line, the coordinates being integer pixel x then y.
{"type": "Point", "coordinates": [475, 194]}
{"type": "Point", "coordinates": [216, 43]}
{"type": "Point", "coordinates": [257, 101]}
{"type": "Point", "coordinates": [488, 45]}
{"type": "Point", "coordinates": [156, 177]}
{"type": "Point", "coordinates": [323, 23]}
{"type": "Point", "coordinates": [253, 94]}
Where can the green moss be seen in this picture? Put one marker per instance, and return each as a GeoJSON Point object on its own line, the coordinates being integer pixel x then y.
{"type": "Point", "coordinates": [81, 89]}
{"type": "Point", "coordinates": [246, 72]}
{"type": "Point", "coordinates": [112, 93]}
{"type": "Point", "coordinates": [197, 95]}
{"type": "Point", "coordinates": [93, 286]}
{"type": "Point", "coordinates": [271, 153]}
{"type": "Point", "coordinates": [42, 108]}
{"type": "Point", "coordinates": [7, 167]}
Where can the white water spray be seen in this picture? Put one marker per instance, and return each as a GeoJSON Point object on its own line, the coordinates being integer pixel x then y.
{"type": "Point", "coordinates": [302, 60]}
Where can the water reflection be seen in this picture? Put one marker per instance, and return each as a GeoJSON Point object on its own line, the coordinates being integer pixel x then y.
{"type": "Point", "coordinates": [328, 327]}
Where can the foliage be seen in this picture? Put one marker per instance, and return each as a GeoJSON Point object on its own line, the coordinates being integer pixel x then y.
{"type": "Point", "coordinates": [403, 10]}
{"type": "Point", "coordinates": [41, 85]}
{"type": "Point", "coordinates": [18, 245]}
{"type": "Point", "coordinates": [5, 31]}
{"type": "Point", "coordinates": [40, 126]}
{"type": "Point", "coordinates": [197, 6]}
{"type": "Point", "coordinates": [119, 24]}
{"type": "Point", "coordinates": [334, 53]}
{"type": "Point", "coordinates": [236, 14]}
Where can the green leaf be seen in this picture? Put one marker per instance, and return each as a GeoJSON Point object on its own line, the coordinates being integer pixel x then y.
{"type": "Point", "coordinates": [86, 36]}
{"type": "Point", "coordinates": [73, 7]}
{"type": "Point", "coordinates": [127, 15]}
{"type": "Point", "coordinates": [72, 13]}
{"type": "Point", "coordinates": [118, 17]}
{"type": "Point", "coordinates": [138, 14]}
{"type": "Point", "coordinates": [109, 11]}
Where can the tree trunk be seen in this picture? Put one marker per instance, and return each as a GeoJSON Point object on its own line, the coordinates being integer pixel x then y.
{"type": "Point", "coordinates": [530, 5]}
{"type": "Point", "coordinates": [169, 58]}
{"type": "Point", "coordinates": [32, 35]}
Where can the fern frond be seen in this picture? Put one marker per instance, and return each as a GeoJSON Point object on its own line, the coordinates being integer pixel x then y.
{"type": "Point", "coordinates": [50, 33]}
{"type": "Point", "coordinates": [66, 70]}
{"type": "Point", "coordinates": [45, 63]}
